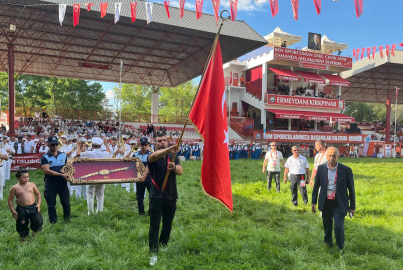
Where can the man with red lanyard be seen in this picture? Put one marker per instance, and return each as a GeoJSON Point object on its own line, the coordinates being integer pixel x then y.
{"type": "Point", "coordinates": [320, 158]}
{"type": "Point", "coordinates": [335, 180]}
{"type": "Point", "coordinates": [162, 199]}
{"type": "Point", "coordinates": [272, 159]}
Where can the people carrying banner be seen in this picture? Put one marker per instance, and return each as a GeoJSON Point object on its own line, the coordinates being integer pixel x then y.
{"type": "Point", "coordinates": [55, 181]}
{"type": "Point", "coordinates": [98, 190]}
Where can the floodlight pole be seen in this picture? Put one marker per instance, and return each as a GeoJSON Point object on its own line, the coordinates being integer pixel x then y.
{"type": "Point", "coordinates": [394, 137]}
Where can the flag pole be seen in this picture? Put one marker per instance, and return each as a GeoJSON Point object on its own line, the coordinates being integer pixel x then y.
{"type": "Point", "coordinates": [212, 51]}
{"type": "Point", "coordinates": [394, 137]}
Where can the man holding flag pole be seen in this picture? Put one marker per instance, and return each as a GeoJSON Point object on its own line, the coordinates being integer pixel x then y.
{"type": "Point", "coordinates": [209, 116]}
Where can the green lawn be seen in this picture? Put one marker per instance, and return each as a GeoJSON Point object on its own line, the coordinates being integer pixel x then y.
{"type": "Point", "coordinates": [265, 231]}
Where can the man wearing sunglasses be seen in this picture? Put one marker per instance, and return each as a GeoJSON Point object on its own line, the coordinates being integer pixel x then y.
{"type": "Point", "coordinates": [272, 159]}
{"type": "Point", "coordinates": [334, 180]}
{"type": "Point", "coordinates": [298, 166]}
{"type": "Point", "coordinates": [55, 182]}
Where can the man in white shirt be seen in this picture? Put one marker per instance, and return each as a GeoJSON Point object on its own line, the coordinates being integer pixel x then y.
{"type": "Point", "coordinates": [19, 145]}
{"type": "Point", "coordinates": [388, 149]}
{"type": "Point", "coordinates": [44, 148]}
{"type": "Point", "coordinates": [7, 163]}
{"type": "Point", "coordinates": [29, 145]}
{"type": "Point", "coordinates": [3, 157]}
{"type": "Point", "coordinates": [97, 189]}
{"type": "Point", "coordinates": [320, 158]}
{"type": "Point", "coordinates": [272, 159]}
{"type": "Point", "coordinates": [355, 151]}
{"type": "Point", "coordinates": [298, 166]}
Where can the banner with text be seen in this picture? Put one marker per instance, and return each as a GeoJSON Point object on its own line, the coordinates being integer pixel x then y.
{"type": "Point", "coordinates": [26, 161]}
{"type": "Point", "coordinates": [305, 102]}
{"type": "Point", "coordinates": [312, 57]}
{"type": "Point", "coordinates": [312, 137]}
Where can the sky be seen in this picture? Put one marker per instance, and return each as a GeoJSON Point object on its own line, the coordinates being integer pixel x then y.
{"type": "Point", "coordinates": [380, 24]}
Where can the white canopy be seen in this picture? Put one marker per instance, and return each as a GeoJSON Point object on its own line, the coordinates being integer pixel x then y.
{"type": "Point", "coordinates": [329, 46]}
{"type": "Point", "coordinates": [278, 36]}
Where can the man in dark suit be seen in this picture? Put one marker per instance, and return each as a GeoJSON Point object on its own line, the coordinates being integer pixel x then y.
{"type": "Point", "coordinates": [315, 44]}
{"type": "Point", "coordinates": [334, 179]}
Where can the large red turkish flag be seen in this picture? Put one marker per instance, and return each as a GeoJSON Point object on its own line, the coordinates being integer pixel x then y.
{"type": "Point", "coordinates": [76, 14]}
{"type": "Point", "coordinates": [209, 116]}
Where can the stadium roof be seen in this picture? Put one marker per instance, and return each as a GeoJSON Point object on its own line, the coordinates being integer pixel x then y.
{"type": "Point", "coordinates": [166, 52]}
{"type": "Point", "coordinates": [371, 79]}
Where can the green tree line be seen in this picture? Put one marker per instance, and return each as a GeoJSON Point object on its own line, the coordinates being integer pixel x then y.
{"type": "Point", "coordinates": [369, 112]}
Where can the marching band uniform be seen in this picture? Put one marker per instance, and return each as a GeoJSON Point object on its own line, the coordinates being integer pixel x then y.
{"type": "Point", "coordinates": [7, 163]}
{"type": "Point", "coordinates": [2, 178]}
{"type": "Point", "coordinates": [252, 151]}
{"type": "Point", "coordinates": [245, 151]}
{"type": "Point", "coordinates": [230, 151]}
{"type": "Point", "coordinates": [141, 187]}
{"type": "Point", "coordinates": [258, 151]}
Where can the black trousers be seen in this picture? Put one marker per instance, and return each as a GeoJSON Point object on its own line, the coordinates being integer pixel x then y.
{"type": "Point", "coordinates": [276, 178]}
{"type": "Point", "coordinates": [331, 211]}
{"type": "Point", "coordinates": [27, 215]}
{"type": "Point", "coordinates": [165, 209]}
{"type": "Point", "coordinates": [140, 191]}
{"type": "Point", "coordinates": [295, 180]}
{"type": "Point", "coordinates": [52, 189]}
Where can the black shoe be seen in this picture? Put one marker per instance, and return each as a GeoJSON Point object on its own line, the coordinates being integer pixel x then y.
{"type": "Point", "coordinates": [329, 244]}
{"type": "Point", "coordinates": [296, 205]}
{"type": "Point", "coordinates": [341, 250]}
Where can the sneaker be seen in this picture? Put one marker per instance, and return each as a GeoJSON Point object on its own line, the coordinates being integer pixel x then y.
{"type": "Point", "coordinates": [320, 214]}
{"type": "Point", "coordinates": [153, 260]}
{"type": "Point", "coordinates": [164, 248]}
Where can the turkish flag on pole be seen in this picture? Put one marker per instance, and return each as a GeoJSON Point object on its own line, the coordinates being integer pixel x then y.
{"type": "Point", "coordinates": [104, 7]}
{"type": "Point", "coordinates": [381, 51]}
{"type": "Point", "coordinates": [234, 9]}
{"type": "Point", "coordinates": [76, 13]}
{"type": "Point", "coordinates": [274, 7]}
{"type": "Point", "coordinates": [362, 53]}
{"type": "Point", "coordinates": [216, 9]}
{"type": "Point", "coordinates": [369, 53]}
{"type": "Point", "coordinates": [357, 54]}
{"type": "Point", "coordinates": [359, 7]}
{"type": "Point", "coordinates": [89, 6]}
{"type": "Point", "coordinates": [354, 53]}
{"type": "Point", "coordinates": [318, 5]}
{"type": "Point", "coordinates": [133, 10]}
{"type": "Point", "coordinates": [373, 52]}
{"type": "Point", "coordinates": [393, 49]}
{"type": "Point", "coordinates": [166, 4]}
{"type": "Point", "coordinates": [387, 50]}
{"type": "Point", "coordinates": [295, 4]}
{"type": "Point", "coordinates": [199, 9]}
{"type": "Point", "coordinates": [181, 7]}
{"type": "Point", "coordinates": [209, 116]}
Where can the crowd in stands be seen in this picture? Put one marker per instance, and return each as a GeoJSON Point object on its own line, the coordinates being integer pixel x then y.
{"type": "Point", "coordinates": [282, 89]}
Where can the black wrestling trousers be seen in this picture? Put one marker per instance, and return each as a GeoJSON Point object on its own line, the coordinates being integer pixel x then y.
{"type": "Point", "coordinates": [165, 209]}
{"type": "Point", "coordinates": [28, 215]}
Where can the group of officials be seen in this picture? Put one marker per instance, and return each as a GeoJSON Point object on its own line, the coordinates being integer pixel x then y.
{"type": "Point", "coordinates": [331, 180]}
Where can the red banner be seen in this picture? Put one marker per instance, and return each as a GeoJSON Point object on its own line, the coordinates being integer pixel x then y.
{"type": "Point", "coordinates": [288, 136]}
{"type": "Point", "coordinates": [314, 66]}
{"type": "Point", "coordinates": [312, 57]}
{"type": "Point", "coordinates": [26, 161]}
{"type": "Point", "coordinates": [305, 102]}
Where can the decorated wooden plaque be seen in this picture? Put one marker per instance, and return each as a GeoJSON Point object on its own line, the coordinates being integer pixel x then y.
{"type": "Point", "coordinates": [89, 171]}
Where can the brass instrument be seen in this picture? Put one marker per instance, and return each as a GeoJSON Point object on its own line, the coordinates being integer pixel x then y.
{"type": "Point", "coordinates": [135, 149]}
{"type": "Point", "coordinates": [121, 144]}
{"type": "Point", "coordinates": [88, 144]}
{"type": "Point", "coordinates": [60, 142]}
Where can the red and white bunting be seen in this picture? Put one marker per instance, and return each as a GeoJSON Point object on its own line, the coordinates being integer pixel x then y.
{"type": "Point", "coordinates": [393, 49]}
{"type": "Point", "coordinates": [357, 54]}
{"type": "Point", "coordinates": [401, 44]}
{"type": "Point", "coordinates": [362, 53]}
{"type": "Point", "coordinates": [133, 10]}
{"type": "Point", "coordinates": [373, 52]}
{"type": "Point", "coordinates": [359, 7]}
{"type": "Point", "coordinates": [89, 6]}
{"type": "Point", "coordinates": [118, 7]}
{"type": "Point", "coordinates": [199, 9]}
{"type": "Point", "coordinates": [216, 9]}
{"type": "Point", "coordinates": [387, 50]}
{"type": "Point", "coordinates": [104, 7]}
{"type": "Point", "coordinates": [318, 5]}
{"type": "Point", "coordinates": [274, 7]}
{"type": "Point", "coordinates": [166, 4]}
{"type": "Point", "coordinates": [295, 4]}
{"type": "Point", "coordinates": [369, 53]}
{"type": "Point", "coordinates": [353, 53]}
{"type": "Point", "coordinates": [181, 8]}
{"type": "Point", "coordinates": [76, 14]}
{"type": "Point", "coordinates": [149, 11]}
{"type": "Point", "coordinates": [234, 9]}
{"type": "Point", "coordinates": [62, 12]}
{"type": "Point", "coordinates": [381, 51]}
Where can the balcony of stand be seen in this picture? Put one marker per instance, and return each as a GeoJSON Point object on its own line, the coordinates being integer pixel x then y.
{"type": "Point", "coordinates": [253, 90]}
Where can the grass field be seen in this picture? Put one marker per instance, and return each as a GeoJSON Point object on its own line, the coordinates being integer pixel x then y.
{"type": "Point", "coordinates": [265, 231]}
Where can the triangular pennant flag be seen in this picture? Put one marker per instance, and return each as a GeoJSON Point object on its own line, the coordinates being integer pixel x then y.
{"type": "Point", "coordinates": [76, 14]}
{"type": "Point", "coordinates": [381, 51]}
{"type": "Point", "coordinates": [149, 11]}
{"type": "Point", "coordinates": [359, 7]}
{"type": "Point", "coordinates": [353, 53]}
{"type": "Point", "coordinates": [274, 7]}
{"type": "Point", "coordinates": [393, 49]}
{"type": "Point", "coordinates": [181, 8]}
{"type": "Point", "coordinates": [295, 4]}
{"type": "Point", "coordinates": [62, 12]}
{"type": "Point", "coordinates": [373, 52]}
{"type": "Point", "coordinates": [369, 53]}
{"type": "Point", "coordinates": [89, 6]}
{"type": "Point", "coordinates": [401, 44]}
{"type": "Point", "coordinates": [216, 9]}
{"type": "Point", "coordinates": [104, 7]}
{"type": "Point", "coordinates": [234, 9]}
{"type": "Point", "coordinates": [357, 54]}
{"type": "Point", "coordinates": [387, 50]}
{"type": "Point", "coordinates": [199, 9]}
{"type": "Point", "coordinates": [118, 6]}
{"type": "Point", "coordinates": [133, 10]}
{"type": "Point", "coordinates": [362, 53]}
{"type": "Point", "coordinates": [318, 5]}
{"type": "Point", "coordinates": [166, 4]}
